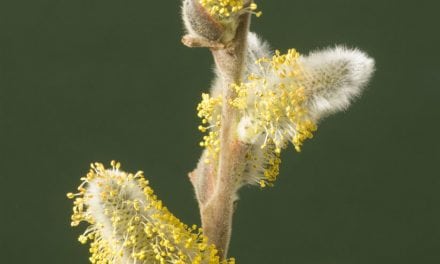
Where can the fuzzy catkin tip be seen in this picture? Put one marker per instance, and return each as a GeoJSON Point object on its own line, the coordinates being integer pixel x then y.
{"type": "Point", "coordinates": [334, 77]}
{"type": "Point", "coordinates": [129, 224]}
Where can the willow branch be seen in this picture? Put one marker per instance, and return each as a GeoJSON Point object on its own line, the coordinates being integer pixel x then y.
{"type": "Point", "coordinates": [215, 186]}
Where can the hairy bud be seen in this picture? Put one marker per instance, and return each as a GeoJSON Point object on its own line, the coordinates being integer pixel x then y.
{"type": "Point", "coordinates": [199, 23]}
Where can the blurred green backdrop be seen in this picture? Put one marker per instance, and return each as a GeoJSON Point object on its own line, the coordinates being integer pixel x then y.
{"type": "Point", "coordinates": [94, 80]}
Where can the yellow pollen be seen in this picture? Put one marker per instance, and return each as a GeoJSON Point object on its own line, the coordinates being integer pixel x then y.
{"type": "Point", "coordinates": [209, 110]}
{"type": "Point", "coordinates": [275, 102]}
{"type": "Point", "coordinates": [223, 9]}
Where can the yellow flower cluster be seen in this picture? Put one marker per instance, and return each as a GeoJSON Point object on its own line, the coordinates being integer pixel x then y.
{"type": "Point", "coordinates": [276, 105]}
{"type": "Point", "coordinates": [129, 224]}
{"type": "Point", "coordinates": [209, 110]}
{"type": "Point", "coordinates": [273, 105]}
{"type": "Point", "coordinates": [227, 8]}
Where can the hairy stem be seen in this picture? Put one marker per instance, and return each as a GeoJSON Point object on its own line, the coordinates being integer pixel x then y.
{"type": "Point", "coordinates": [217, 212]}
{"type": "Point", "coordinates": [215, 183]}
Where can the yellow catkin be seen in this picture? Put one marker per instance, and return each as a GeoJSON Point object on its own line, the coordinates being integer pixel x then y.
{"type": "Point", "coordinates": [274, 102]}
{"type": "Point", "coordinates": [129, 224]}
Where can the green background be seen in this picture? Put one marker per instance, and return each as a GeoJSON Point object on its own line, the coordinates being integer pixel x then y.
{"type": "Point", "coordinates": [95, 80]}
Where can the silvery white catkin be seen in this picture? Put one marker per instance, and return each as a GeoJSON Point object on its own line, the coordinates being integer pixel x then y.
{"type": "Point", "coordinates": [129, 224]}
{"type": "Point", "coordinates": [330, 78]}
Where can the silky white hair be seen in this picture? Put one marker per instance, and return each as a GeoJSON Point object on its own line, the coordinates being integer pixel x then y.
{"type": "Point", "coordinates": [333, 78]}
